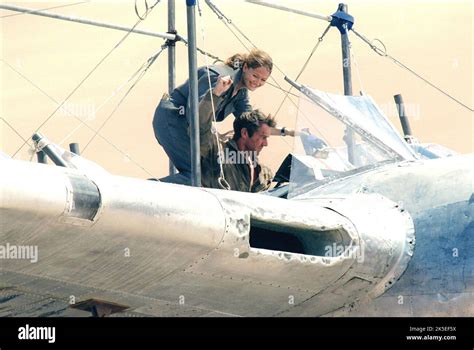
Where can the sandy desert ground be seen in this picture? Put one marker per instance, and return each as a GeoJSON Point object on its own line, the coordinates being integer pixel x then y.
{"type": "Point", "coordinates": [44, 60]}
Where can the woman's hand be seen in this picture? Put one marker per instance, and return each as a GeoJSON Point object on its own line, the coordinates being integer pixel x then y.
{"type": "Point", "coordinates": [223, 84]}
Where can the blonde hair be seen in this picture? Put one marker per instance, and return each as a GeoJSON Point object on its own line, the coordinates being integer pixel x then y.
{"type": "Point", "coordinates": [254, 59]}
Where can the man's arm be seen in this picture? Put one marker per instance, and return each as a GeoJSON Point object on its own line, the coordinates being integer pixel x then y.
{"type": "Point", "coordinates": [283, 131]}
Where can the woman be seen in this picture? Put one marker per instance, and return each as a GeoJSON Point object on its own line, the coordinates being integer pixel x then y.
{"type": "Point", "coordinates": [172, 116]}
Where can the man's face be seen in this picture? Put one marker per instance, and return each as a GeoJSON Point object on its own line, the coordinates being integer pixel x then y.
{"type": "Point", "coordinates": [258, 140]}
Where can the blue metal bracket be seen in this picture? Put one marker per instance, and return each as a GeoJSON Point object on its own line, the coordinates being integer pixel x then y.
{"type": "Point", "coordinates": [340, 18]}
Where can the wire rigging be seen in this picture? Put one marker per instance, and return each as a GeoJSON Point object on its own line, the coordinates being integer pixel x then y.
{"type": "Point", "coordinates": [142, 17]}
{"type": "Point", "coordinates": [87, 76]}
{"type": "Point", "coordinates": [205, 53]}
{"type": "Point", "coordinates": [74, 116]}
{"type": "Point", "coordinates": [227, 21]}
{"type": "Point", "coordinates": [235, 30]}
{"type": "Point", "coordinates": [384, 53]}
{"type": "Point", "coordinates": [147, 9]}
{"type": "Point", "coordinates": [15, 131]}
{"type": "Point", "coordinates": [221, 16]}
{"type": "Point", "coordinates": [320, 40]}
{"type": "Point", "coordinates": [44, 9]}
{"type": "Point", "coordinates": [114, 93]}
{"type": "Point", "coordinates": [141, 71]}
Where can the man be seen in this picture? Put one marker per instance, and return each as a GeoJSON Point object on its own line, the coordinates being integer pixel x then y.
{"type": "Point", "coordinates": [233, 164]}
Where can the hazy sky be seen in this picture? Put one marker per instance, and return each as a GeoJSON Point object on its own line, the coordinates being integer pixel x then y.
{"type": "Point", "coordinates": [44, 60]}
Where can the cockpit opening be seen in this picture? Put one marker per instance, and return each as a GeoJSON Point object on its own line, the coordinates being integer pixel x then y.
{"type": "Point", "coordinates": [282, 236]}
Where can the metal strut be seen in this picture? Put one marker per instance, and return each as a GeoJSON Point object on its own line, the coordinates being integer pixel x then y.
{"type": "Point", "coordinates": [86, 21]}
{"type": "Point", "coordinates": [343, 21]}
{"type": "Point", "coordinates": [193, 95]}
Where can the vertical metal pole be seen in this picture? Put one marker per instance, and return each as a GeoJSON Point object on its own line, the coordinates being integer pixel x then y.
{"type": "Point", "coordinates": [193, 94]}
{"type": "Point", "coordinates": [171, 61]}
{"type": "Point", "coordinates": [403, 119]}
{"type": "Point", "coordinates": [346, 71]}
{"type": "Point", "coordinates": [74, 148]}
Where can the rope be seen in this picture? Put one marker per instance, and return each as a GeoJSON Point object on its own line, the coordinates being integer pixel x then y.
{"type": "Point", "coordinates": [142, 17]}
{"type": "Point", "coordinates": [85, 78]}
{"type": "Point", "coordinates": [221, 180]}
{"type": "Point", "coordinates": [384, 53]}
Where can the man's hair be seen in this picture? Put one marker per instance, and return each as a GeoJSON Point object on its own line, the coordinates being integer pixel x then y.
{"type": "Point", "coordinates": [251, 121]}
